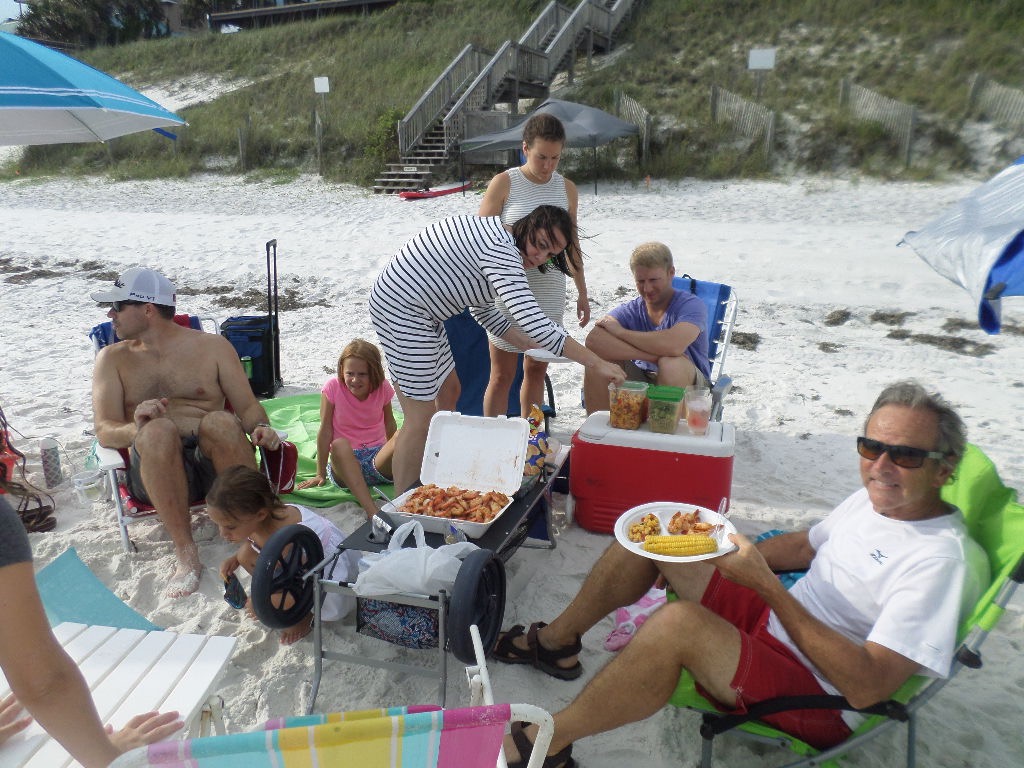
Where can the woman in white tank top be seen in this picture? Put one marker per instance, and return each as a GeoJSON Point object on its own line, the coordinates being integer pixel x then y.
{"type": "Point", "coordinates": [512, 195]}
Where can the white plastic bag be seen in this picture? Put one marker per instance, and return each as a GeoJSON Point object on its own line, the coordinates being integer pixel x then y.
{"type": "Point", "coordinates": [419, 570]}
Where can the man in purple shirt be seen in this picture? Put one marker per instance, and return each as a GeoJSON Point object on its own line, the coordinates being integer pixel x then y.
{"type": "Point", "coordinates": [659, 337]}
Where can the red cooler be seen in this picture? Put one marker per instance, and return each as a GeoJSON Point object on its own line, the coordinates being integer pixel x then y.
{"type": "Point", "coordinates": [616, 469]}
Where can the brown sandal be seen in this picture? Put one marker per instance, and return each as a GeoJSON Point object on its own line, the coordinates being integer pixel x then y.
{"type": "Point", "coordinates": [537, 655]}
{"type": "Point", "coordinates": [38, 518]}
{"type": "Point", "coordinates": [561, 759]}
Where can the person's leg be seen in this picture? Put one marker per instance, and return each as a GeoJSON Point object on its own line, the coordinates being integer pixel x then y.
{"type": "Point", "coordinates": [346, 469]}
{"type": "Point", "coordinates": [411, 440]}
{"type": "Point", "coordinates": [223, 441]}
{"type": "Point", "coordinates": [162, 472]}
{"type": "Point", "coordinates": [595, 392]}
{"type": "Point", "coordinates": [385, 456]}
{"type": "Point", "coordinates": [639, 681]}
{"type": "Point", "coordinates": [532, 391]}
{"type": "Point", "coordinates": [448, 395]}
{"type": "Point", "coordinates": [676, 371]}
{"type": "Point", "coordinates": [503, 373]}
{"type": "Point", "coordinates": [618, 578]}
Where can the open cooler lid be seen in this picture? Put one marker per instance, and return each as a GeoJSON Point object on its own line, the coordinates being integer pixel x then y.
{"type": "Point", "coordinates": [479, 453]}
{"type": "Point", "coordinates": [720, 440]}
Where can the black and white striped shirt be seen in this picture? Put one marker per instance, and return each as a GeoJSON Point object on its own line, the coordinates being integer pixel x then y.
{"type": "Point", "coordinates": [460, 262]}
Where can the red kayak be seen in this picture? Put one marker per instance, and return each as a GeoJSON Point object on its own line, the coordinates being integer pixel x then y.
{"type": "Point", "coordinates": [445, 189]}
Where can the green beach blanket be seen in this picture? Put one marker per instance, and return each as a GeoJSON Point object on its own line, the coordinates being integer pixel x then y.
{"type": "Point", "coordinates": [299, 416]}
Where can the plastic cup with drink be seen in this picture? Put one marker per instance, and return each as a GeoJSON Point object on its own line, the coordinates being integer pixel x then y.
{"type": "Point", "coordinates": [698, 410]}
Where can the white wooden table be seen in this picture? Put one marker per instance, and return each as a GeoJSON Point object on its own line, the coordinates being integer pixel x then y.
{"type": "Point", "coordinates": [129, 671]}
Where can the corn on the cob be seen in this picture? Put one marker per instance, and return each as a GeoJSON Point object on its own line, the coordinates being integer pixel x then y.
{"type": "Point", "coordinates": [680, 546]}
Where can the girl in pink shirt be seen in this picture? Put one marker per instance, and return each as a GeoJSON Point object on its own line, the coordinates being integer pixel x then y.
{"type": "Point", "coordinates": [357, 425]}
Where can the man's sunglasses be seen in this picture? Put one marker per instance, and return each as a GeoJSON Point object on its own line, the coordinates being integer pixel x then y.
{"type": "Point", "coordinates": [117, 306]}
{"type": "Point", "coordinates": [900, 455]}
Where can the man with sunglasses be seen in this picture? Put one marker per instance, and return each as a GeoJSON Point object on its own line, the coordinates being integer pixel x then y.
{"type": "Point", "coordinates": [890, 572]}
{"type": "Point", "coordinates": [162, 393]}
{"type": "Point", "coordinates": [659, 337]}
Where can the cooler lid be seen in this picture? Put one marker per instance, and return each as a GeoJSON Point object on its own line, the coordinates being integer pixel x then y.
{"type": "Point", "coordinates": [479, 453]}
{"type": "Point", "coordinates": [720, 439]}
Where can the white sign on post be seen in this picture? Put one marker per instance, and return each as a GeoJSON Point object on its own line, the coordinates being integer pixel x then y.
{"type": "Point", "coordinates": [761, 58]}
{"type": "Point", "coordinates": [321, 85]}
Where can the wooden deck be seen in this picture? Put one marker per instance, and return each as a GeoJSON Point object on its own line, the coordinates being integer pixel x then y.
{"type": "Point", "coordinates": [258, 13]}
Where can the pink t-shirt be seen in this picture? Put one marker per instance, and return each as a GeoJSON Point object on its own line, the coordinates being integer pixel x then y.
{"type": "Point", "coordinates": [361, 422]}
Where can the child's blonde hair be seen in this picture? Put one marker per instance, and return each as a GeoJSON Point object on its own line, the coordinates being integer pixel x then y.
{"type": "Point", "coordinates": [240, 492]}
{"type": "Point", "coordinates": [369, 354]}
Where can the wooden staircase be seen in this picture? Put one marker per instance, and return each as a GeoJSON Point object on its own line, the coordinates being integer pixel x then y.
{"type": "Point", "coordinates": [475, 80]}
{"type": "Point", "coordinates": [417, 169]}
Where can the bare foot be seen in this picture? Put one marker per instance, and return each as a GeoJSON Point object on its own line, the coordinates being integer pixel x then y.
{"type": "Point", "coordinates": [299, 631]}
{"type": "Point", "coordinates": [185, 580]}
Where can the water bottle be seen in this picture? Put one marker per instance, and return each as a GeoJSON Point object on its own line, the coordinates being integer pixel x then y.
{"type": "Point", "coordinates": [49, 455]}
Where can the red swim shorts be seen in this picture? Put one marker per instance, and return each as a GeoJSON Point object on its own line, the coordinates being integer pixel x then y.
{"type": "Point", "coordinates": [767, 668]}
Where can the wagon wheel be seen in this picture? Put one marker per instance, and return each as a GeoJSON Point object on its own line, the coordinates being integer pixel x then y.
{"type": "Point", "coordinates": [281, 597]}
{"type": "Point", "coordinates": [478, 597]}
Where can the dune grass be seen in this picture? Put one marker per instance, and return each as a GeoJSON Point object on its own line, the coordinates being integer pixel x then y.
{"type": "Point", "coordinates": [671, 52]}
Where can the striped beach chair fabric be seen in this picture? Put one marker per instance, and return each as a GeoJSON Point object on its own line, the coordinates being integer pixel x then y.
{"type": "Point", "coordinates": [399, 737]}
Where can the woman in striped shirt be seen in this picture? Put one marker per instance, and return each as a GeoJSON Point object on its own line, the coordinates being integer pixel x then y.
{"type": "Point", "coordinates": [511, 195]}
{"type": "Point", "coordinates": [458, 263]}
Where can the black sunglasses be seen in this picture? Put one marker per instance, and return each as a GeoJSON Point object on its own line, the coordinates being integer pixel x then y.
{"type": "Point", "coordinates": [901, 455]}
{"type": "Point", "coordinates": [117, 306]}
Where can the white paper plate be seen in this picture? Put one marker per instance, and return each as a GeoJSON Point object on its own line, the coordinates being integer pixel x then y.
{"type": "Point", "coordinates": [664, 510]}
{"type": "Point", "coordinates": [545, 356]}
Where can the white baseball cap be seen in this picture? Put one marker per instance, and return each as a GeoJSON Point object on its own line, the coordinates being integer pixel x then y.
{"type": "Point", "coordinates": [140, 284]}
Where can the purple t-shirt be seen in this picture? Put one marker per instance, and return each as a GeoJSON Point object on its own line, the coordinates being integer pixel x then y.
{"type": "Point", "coordinates": [683, 308]}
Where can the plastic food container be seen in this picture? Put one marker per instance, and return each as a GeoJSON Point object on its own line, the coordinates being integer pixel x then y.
{"type": "Point", "coordinates": [628, 402]}
{"type": "Point", "coordinates": [475, 453]}
{"type": "Point", "coordinates": [663, 405]}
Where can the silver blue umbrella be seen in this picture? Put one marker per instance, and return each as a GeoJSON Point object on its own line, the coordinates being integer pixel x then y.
{"type": "Point", "coordinates": [49, 98]}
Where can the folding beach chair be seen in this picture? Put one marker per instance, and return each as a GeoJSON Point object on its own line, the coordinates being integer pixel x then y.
{"type": "Point", "coordinates": [720, 300]}
{"type": "Point", "coordinates": [402, 737]}
{"type": "Point", "coordinates": [996, 521]}
{"type": "Point", "coordinates": [280, 466]}
{"type": "Point", "coordinates": [473, 365]}
{"type": "Point", "coordinates": [721, 303]}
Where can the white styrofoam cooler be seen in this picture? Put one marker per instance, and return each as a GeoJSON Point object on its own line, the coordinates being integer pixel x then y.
{"type": "Point", "coordinates": [478, 453]}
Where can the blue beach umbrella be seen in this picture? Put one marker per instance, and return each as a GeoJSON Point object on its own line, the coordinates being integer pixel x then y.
{"type": "Point", "coordinates": [49, 98]}
{"type": "Point", "coordinates": [978, 243]}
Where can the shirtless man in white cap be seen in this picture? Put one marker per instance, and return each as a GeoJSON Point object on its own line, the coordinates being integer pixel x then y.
{"type": "Point", "coordinates": [162, 393]}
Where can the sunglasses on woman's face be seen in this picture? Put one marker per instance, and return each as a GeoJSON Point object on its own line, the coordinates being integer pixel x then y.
{"type": "Point", "coordinates": [901, 455]}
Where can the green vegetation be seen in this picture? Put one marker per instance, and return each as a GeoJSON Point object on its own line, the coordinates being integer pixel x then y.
{"type": "Point", "coordinates": [918, 51]}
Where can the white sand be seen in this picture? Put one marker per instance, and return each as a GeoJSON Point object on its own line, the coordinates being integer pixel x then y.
{"type": "Point", "coordinates": [795, 252]}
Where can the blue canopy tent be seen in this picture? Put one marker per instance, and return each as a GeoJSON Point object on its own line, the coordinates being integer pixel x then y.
{"type": "Point", "coordinates": [978, 243]}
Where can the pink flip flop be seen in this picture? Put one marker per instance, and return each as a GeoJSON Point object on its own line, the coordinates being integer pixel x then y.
{"type": "Point", "coordinates": [629, 620]}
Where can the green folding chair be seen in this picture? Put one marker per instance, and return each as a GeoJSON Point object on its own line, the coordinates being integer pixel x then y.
{"type": "Point", "coordinates": [996, 521]}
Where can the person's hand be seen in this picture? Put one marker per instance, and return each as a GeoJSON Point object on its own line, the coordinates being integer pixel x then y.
{"type": "Point", "coordinates": [609, 324]}
{"type": "Point", "coordinates": [145, 729]}
{"type": "Point", "coordinates": [10, 723]}
{"type": "Point", "coordinates": [228, 567]}
{"type": "Point", "coordinates": [583, 310]}
{"type": "Point", "coordinates": [148, 410]}
{"type": "Point", "coordinates": [267, 437]}
{"type": "Point", "coordinates": [610, 372]}
{"type": "Point", "coordinates": [312, 482]}
{"type": "Point", "coordinates": [746, 565]}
